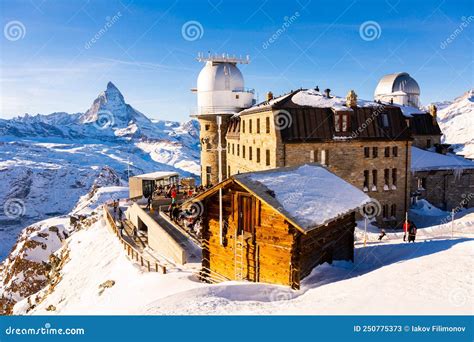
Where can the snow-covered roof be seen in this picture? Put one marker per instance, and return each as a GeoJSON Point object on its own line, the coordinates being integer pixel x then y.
{"type": "Point", "coordinates": [156, 175]}
{"type": "Point", "coordinates": [309, 195]}
{"type": "Point", "coordinates": [312, 98]}
{"type": "Point", "coordinates": [423, 160]}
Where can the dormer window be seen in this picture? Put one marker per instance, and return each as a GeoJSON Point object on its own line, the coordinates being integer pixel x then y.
{"type": "Point", "coordinates": [385, 120]}
{"type": "Point", "coordinates": [341, 122]}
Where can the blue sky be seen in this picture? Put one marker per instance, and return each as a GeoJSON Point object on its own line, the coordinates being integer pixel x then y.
{"type": "Point", "coordinates": [52, 65]}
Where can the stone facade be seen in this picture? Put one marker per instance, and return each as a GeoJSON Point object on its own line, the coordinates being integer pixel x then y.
{"type": "Point", "coordinates": [209, 148]}
{"type": "Point", "coordinates": [346, 158]}
{"type": "Point", "coordinates": [257, 140]}
{"type": "Point", "coordinates": [426, 141]}
{"type": "Point", "coordinates": [445, 189]}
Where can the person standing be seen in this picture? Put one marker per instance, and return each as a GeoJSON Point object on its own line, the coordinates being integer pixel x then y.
{"type": "Point", "coordinates": [412, 232]}
{"type": "Point", "coordinates": [406, 226]}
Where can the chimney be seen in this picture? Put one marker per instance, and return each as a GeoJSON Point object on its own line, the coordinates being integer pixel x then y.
{"type": "Point", "coordinates": [351, 99]}
{"type": "Point", "coordinates": [317, 89]}
{"type": "Point", "coordinates": [328, 93]}
{"type": "Point", "coordinates": [269, 96]}
{"type": "Point", "coordinates": [433, 113]}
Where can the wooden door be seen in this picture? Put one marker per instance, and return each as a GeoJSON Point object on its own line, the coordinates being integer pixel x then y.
{"type": "Point", "coordinates": [246, 224]}
{"type": "Point", "coordinates": [246, 214]}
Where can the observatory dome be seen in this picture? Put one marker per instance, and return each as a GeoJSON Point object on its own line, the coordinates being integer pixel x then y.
{"type": "Point", "coordinates": [220, 87]}
{"type": "Point", "coordinates": [398, 88]}
{"type": "Point", "coordinates": [220, 76]}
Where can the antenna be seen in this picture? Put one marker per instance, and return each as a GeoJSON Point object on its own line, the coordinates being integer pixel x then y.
{"type": "Point", "coordinates": [224, 58]}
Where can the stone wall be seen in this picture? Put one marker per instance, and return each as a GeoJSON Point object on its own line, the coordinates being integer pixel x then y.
{"type": "Point", "coordinates": [255, 139]}
{"type": "Point", "coordinates": [209, 148]}
{"type": "Point", "coordinates": [445, 189]}
{"type": "Point", "coordinates": [426, 141]}
{"type": "Point", "coordinates": [346, 158]}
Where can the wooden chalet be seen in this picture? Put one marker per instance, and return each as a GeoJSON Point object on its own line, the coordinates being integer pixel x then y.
{"type": "Point", "coordinates": [277, 225]}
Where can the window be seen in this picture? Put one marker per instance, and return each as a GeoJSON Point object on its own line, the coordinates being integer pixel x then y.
{"type": "Point", "coordinates": [421, 183]}
{"type": "Point", "coordinates": [233, 149]}
{"type": "Point", "coordinates": [394, 177]}
{"type": "Point", "coordinates": [267, 157]}
{"type": "Point", "coordinates": [208, 175]}
{"type": "Point", "coordinates": [250, 125]}
{"type": "Point", "coordinates": [238, 150]}
{"type": "Point", "coordinates": [393, 210]}
{"type": "Point", "coordinates": [385, 120]}
{"type": "Point", "coordinates": [267, 124]}
{"type": "Point", "coordinates": [366, 180]}
{"type": "Point", "coordinates": [428, 143]}
{"type": "Point", "coordinates": [258, 155]}
{"type": "Point", "coordinates": [387, 152]}
{"type": "Point", "coordinates": [243, 126]}
{"type": "Point", "coordinates": [324, 157]}
{"type": "Point", "coordinates": [341, 122]}
{"type": "Point", "coordinates": [395, 151]}
{"type": "Point", "coordinates": [385, 211]}
{"type": "Point", "coordinates": [237, 96]}
{"type": "Point", "coordinates": [243, 151]}
{"type": "Point", "coordinates": [258, 125]}
{"type": "Point", "coordinates": [228, 147]}
{"type": "Point", "coordinates": [250, 152]}
{"type": "Point", "coordinates": [375, 152]}
{"type": "Point", "coordinates": [228, 171]}
{"type": "Point", "coordinates": [311, 156]}
{"type": "Point", "coordinates": [374, 180]}
{"type": "Point", "coordinates": [386, 178]}
{"type": "Point", "coordinates": [366, 152]}
{"type": "Point", "coordinates": [206, 127]}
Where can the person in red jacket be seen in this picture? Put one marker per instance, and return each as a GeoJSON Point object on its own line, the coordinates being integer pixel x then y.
{"type": "Point", "coordinates": [406, 226]}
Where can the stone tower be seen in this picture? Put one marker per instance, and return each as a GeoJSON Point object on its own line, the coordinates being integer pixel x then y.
{"type": "Point", "coordinates": [220, 95]}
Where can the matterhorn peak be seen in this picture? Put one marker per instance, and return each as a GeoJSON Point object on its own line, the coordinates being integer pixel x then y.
{"type": "Point", "coordinates": [110, 111]}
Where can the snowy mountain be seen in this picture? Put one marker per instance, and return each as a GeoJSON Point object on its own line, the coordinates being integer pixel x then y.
{"type": "Point", "coordinates": [456, 120]}
{"type": "Point", "coordinates": [48, 161]}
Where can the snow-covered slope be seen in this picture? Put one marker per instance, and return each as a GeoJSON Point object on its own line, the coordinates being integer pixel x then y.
{"type": "Point", "coordinates": [48, 161]}
{"type": "Point", "coordinates": [456, 120]}
{"type": "Point", "coordinates": [432, 276]}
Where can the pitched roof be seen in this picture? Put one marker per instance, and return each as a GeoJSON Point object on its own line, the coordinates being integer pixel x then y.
{"type": "Point", "coordinates": [308, 196]}
{"type": "Point", "coordinates": [309, 116]}
{"type": "Point", "coordinates": [423, 124]}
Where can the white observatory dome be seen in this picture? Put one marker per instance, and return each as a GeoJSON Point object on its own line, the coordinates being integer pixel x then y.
{"type": "Point", "coordinates": [221, 88]}
{"type": "Point", "coordinates": [220, 76]}
{"type": "Point", "coordinates": [399, 88]}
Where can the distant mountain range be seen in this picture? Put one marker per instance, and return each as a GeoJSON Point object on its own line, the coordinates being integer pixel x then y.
{"type": "Point", "coordinates": [456, 119]}
{"type": "Point", "coordinates": [48, 161]}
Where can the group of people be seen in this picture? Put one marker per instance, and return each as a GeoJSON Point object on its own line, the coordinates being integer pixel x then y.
{"type": "Point", "coordinates": [185, 218]}
{"type": "Point", "coordinates": [409, 228]}
{"type": "Point", "coordinates": [409, 231]}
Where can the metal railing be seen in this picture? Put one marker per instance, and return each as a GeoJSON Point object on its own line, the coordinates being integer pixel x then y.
{"type": "Point", "coordinates": [147, 261]}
